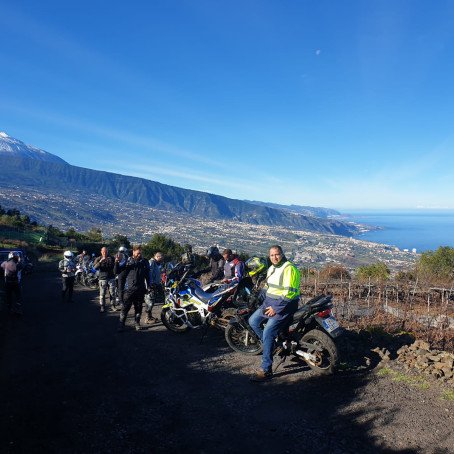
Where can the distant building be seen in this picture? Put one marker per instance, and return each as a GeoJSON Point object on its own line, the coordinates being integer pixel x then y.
{"type": "Point", "coordinates": [413, 250]}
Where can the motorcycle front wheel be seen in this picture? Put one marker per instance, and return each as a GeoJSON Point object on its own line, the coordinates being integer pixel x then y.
{"type": "Point", "coordinates": [242, 341]}
{"type": "Point", "coordinates": [173, 323]}
{"type": "Point", "coordinates": [326, 358]}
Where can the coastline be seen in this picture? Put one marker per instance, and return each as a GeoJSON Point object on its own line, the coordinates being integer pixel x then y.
{"type": "Point", "coordinates": [408, 230]}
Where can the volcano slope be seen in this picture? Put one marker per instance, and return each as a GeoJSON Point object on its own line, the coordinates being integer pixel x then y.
{"type": "Point", "coordinates": [71, 384]}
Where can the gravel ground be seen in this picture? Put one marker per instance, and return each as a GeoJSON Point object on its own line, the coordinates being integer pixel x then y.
{"type": "Point", "coordinates": [71, 384]}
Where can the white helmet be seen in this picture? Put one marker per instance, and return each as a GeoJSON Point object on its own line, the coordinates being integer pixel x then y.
{"type": "Point", "coordinates": [68, 254]}
{"type": "Point", "coordinates": [13, 254]}
{"type": "Point", "coordinates": [123, 250]}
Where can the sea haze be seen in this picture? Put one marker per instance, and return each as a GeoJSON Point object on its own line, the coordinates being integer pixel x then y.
{"type": "Point", "coordinates": [420, 229]}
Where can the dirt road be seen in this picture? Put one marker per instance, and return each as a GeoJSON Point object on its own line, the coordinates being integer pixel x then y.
{"type": "Point", "coordinates": [71, 384]}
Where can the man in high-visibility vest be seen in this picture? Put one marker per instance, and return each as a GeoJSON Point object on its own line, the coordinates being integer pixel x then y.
{"type": "Point", "coordinates": [280, 303]}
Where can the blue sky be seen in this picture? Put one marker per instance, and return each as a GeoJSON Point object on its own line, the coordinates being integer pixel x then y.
{"type": "Point", "coordinates": [325, 103]}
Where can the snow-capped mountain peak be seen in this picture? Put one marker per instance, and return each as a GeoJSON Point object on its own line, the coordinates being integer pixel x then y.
{"type": "Point", "coordinates": [10, 146]}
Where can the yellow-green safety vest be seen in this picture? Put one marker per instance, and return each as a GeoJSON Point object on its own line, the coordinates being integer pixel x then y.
{"type": "Point", "coordinates": [283, 281]}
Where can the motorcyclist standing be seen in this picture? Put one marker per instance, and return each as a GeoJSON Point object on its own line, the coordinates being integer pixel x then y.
{"type": "Point", "coordinates": [67, 268]}
{"type": "Point", "coordinates": [105, 265]}
{"type": "Point", "coordinates": [282, 292]}
{"type": "Point", "coordinates": [137, 281]}
{"type": "Point", "coordinates": [217, 263]}
{"type": "Point", "coordinates": [13, 275]}
{"type": "Point", "coordinates": [123, 257]}
{"type": "Point", "coordinates": [156, 291]}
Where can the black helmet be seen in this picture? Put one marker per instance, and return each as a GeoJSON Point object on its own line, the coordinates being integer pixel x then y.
{"type": "Point", "coordinates": [212, 252]}
{"type": "Point", "coordinates": [255, 265]}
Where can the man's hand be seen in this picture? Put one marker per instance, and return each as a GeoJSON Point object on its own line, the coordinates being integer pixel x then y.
{"type": "Point", "coordinates": [270, 312]}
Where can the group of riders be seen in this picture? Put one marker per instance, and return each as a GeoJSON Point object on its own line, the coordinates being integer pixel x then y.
{"type": "Point", "coordinates": [131, 280]}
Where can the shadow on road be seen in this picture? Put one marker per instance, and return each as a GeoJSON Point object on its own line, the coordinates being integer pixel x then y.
{"type": "Point", "coordinates": [71, 383]}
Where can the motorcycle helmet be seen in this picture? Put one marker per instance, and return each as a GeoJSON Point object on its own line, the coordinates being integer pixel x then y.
{"type": "Point", "coordinates": [255, 265]}
{"type": "Point", "coordinates": [187, 258]}
{"type": "Point", "coordinates": [13, 254]}
{"type": "Point", "coordinates": [68, 254]}
{"type": "Point", "coordinates": [212, 252]}
{"type": "Point", "coordinates": [123, 250]}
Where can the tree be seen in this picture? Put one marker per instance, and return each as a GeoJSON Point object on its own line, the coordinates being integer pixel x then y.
{"type": "Point", "coordinates": [72, 233]}
{"type": "Point", "coordinates": [94, 234]}
{"type": "Point", "coordinates": [376, 271]}
{"type": "Point", "coordinates": [52, 231]}
{"type": "Point", "coordinates": [335, 271]}
{"type": "Point", "coordinates": [13, 212]}
{"type": "Point", "coordinates": [164, 244]}
{"type": "Point", "coordinates": [437, 264]}
{"type": "Point", "coordinates": [119, 240]}
{"type": "Point", "coordinates": [25, 219]}
{"type": "Point", "coordinates": [405, 276]}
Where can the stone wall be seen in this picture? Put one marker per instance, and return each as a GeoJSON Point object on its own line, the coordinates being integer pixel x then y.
{"type": "Point", "coordinates": [436, 363]}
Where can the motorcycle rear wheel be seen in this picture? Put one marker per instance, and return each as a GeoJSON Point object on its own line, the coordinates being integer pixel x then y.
{"type": "Point", "coordinates": [327, 358]}
{"type": "Point", "coordinates": [242, 341]}
{"type": "Point", "coordinates": [173, 323]}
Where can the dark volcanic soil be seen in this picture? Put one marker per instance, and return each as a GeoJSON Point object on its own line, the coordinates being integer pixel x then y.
{"type": "Point", "coordinates": [70, 383]}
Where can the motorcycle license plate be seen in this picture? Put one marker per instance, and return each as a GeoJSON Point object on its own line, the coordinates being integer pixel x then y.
{"type": "Point", "coordinates": [330, 324]}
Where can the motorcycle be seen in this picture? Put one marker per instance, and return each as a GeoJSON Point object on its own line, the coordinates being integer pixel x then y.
{"type": "Point", "coordinates": [86, 275]}
{"type": "Point", "coordinates": [79, 275]}
{"type": "Point", "coordinates": [310, 335]}
{"type": "Point", "coordinates": [188, 306]}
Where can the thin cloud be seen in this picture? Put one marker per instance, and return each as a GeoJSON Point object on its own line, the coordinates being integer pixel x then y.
{"type": "Point", "coordinates": [135, 140]}
{"type": "Point", "coordinates": [155, 172]}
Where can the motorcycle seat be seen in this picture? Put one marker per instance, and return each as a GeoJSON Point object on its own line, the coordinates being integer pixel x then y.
{"type": "Point", "coordinates": [317, 303]}
{"type": "Point", "coordinates": [301, 311]}
{"type": "Point", "coordinates": [207, 297]}
{"type": "Point", "coordinates": [203, 296]}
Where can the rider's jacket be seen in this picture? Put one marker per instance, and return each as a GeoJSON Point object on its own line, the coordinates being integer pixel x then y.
{"type": "Point", "coordinates": [105, 268]}
{"type": "Point", "coordinates": [67, 267]}
{"type": "Point", "coordinates": [282, 288]}
{"type": "Point", "coordinates": [12, 271]}
{"type": "Point", "coordinates": [155, 272]}
{"type": "Point", "coordinates": [136, 274]}
{"type": "Point", "coordinates": [217, 267]}
{"type": "Point", "coordinates": [234, 270]}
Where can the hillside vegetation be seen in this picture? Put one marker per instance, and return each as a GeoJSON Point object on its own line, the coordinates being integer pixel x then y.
{"type": "Point", "coordinates": [63, 178]}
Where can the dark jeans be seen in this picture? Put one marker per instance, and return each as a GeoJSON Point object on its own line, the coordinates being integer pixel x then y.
{"type": "Point", "coordinates": [13, 288]}
{"type": "Point", "coordinates": [120, 287]}
{"type": "Point", "coordinates": [67, 286]}
{"type": "Point", "coordinates": [132, 298]}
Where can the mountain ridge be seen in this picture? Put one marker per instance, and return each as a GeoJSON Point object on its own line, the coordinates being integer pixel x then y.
{"type": "Point", "coordinates": [60, 176]}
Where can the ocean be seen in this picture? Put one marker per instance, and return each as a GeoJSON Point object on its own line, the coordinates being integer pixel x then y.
{"type": "Point", "coordinates": [420, 229]}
